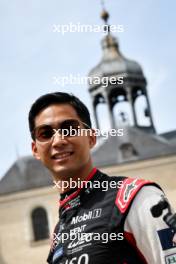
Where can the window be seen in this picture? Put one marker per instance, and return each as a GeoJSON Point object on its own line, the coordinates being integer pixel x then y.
{"type": "Point", "coordinates": [128, 151]}
{"type": "Point", "coordinates": [40, 224]}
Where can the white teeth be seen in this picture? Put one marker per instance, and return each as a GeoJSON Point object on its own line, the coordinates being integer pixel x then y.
{"type": "Point", "coordinates": [61, 156]}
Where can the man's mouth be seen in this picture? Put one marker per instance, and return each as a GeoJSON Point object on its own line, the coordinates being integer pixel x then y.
{"type": "Point", "coordinates": [61, 156]}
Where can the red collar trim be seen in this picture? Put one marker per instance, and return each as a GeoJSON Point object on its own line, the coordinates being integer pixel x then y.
{"type": "Point", "coordinates": [73, 195]}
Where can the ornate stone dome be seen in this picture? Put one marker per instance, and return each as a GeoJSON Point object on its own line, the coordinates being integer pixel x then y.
{"type": "Point", "coordinates": [113, 63]}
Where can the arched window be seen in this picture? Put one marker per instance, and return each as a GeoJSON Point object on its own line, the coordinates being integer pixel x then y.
{"type": "Point", "coordinates": [40, 224]}
{"type": "Point", "coordinates": [128, 151]}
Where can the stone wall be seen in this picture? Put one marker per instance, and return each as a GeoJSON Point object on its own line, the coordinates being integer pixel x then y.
{"type": "Point", "coordinates": [16, 234]}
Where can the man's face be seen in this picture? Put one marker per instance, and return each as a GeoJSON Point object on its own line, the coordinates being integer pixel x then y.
{"type": "Point", "coordinates": [66, 156]}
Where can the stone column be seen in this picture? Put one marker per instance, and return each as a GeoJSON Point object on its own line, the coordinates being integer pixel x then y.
{"type": "Point", "coordinates": [149, 109]}
{"type": "Point", "coordinates": [95, 116]}
{"type": "Point", "coordinates": [131, 102]}
{"type": "Point", "coordinates": [111, 117]}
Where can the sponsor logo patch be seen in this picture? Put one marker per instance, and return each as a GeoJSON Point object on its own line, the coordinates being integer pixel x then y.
{"type": "Point", "coordinates": [96, 213]}
{"type": "Point", "coordinates": [128, 191]}
{"type": "Point", "coordinates": [166, 238]}
{"type": "Point", "coordinates": [170, 259]}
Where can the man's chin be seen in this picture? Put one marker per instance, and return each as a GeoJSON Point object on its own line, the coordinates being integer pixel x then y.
{"type": "Point", "coordinates": [62, 172]}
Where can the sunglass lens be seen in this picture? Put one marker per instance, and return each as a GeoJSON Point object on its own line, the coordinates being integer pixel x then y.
{"type": "Point", "coordinates": [70, 127]}
{"type": "Point", "coordinates": [43, 134]}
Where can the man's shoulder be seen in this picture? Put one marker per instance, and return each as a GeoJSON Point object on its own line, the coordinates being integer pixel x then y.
{"type": "Point", "coordinates": [128, 190]}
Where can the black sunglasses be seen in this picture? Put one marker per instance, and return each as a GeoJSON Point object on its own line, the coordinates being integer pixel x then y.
{"type": "Point", "coordinates": [67, 128]}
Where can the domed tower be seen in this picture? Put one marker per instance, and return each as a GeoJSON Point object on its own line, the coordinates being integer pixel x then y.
{"type": "Point", "coordinates": [114, 64]}
{"type": "Point", "coordinates": [139, 140]}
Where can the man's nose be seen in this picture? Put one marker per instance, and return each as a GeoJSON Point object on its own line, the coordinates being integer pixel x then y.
{"type": "Point", "coordinates": [58, 139]}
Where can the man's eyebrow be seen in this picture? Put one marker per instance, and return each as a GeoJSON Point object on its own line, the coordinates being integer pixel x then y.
{"type": "Point", "coordinates": [44, 125]}
{"type": "Point", "coordinates": [52, 124]}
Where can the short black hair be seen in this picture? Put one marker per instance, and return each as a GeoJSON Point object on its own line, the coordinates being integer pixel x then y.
{"type": "Point", "coordinates": [58, 98]}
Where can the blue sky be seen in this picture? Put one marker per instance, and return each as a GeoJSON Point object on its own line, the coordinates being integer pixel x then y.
{"type": "Point", "coordinates": [31, 54]}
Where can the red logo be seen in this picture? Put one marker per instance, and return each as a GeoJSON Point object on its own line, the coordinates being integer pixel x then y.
{"type": "Point", "coordinates": [128, 191]}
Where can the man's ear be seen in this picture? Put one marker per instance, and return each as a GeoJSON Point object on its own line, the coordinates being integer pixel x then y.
{"type": "Point", "coordinates": [92, 138]}
{"type": "Point", "coordinates": [35, 150]}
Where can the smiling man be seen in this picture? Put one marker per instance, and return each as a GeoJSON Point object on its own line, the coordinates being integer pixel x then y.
{"type": "Point", "coordinates": [96, 226]}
